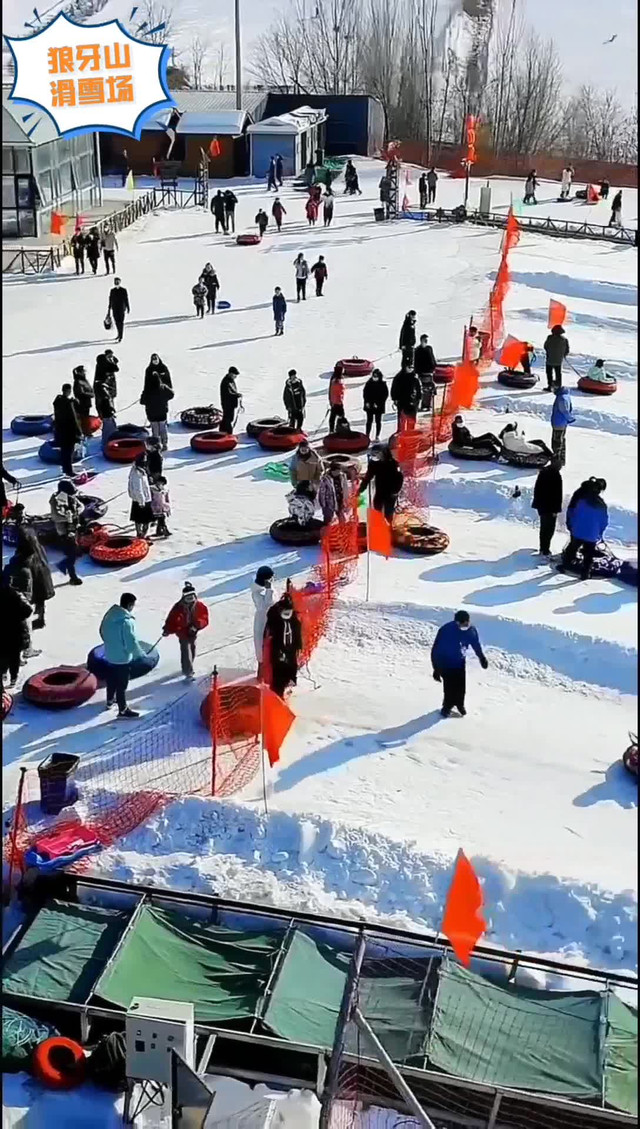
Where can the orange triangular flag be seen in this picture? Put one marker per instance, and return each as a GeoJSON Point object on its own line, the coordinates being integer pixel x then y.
{"type": "Point", "coordinates": [557, 313]}
{"type": "Point", "coordinates": [277, 720]}
{"type": "Point", "coordinates": [378, 533]}
{"type": "Point", "coordinates": [214, 148]}
{"type": "Point", "coordinates": [463, 922]}
{"type": "Point", "coordinates": [57, 223]}
{"type": "Point", "coordinates": [464, 385]}
{"type": "Point", "coordinates": [512, 352]}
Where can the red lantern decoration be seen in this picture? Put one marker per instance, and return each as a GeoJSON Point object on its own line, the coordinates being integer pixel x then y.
{"type": "Point", "coordinates": [214, 148]}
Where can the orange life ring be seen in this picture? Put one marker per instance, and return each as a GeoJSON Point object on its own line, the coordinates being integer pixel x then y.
{"type": "Point", "coordinates": [414, 536]}
{"type": "Point", "coordinates": [124, 450]}
{"type": "Point", "coordinates": [597, 387]}
{"type": "Point", "coordinates": [282, 438]}
{"type": "Point", "coordinates": [213, 442]}
{"type": "Point", "coordinates": [119, 550]}
{"type": "Point", "coordinates": [59, 1063]}
{"type": "Point", "coordinates": [343, 444]}
{"type": "Point", "coordinates": [354, 366]}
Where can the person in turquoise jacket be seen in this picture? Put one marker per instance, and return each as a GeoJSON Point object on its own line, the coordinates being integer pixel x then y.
{"type": "Point", "coordinates": [121, 646]}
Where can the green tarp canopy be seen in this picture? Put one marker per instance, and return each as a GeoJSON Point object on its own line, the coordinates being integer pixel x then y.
{"type": "Point", "coordinates": [561, 1043]}
{"type": "Point", "coordinates": [64, 951]}
{"type": "Point", "coordinates": [222, 972]}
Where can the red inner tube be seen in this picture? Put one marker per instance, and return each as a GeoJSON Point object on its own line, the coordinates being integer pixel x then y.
{"type": "Point", "coordinates": [124, 450]}
{"type": "Point", "coordinates": [120, 549]}
{"type": "Point", "coordinates": [60, 686]}
{"type": "Point", "coordinates": [355, 366]}
{"type": "Point", "coordinates": [247, 240]}
{"type": "Point", "coordinates": [91, 424]}
{"type": "Point", "coordinates": [59, 1063]}
{"type": "Point", "coordinates": [213, 442]}
{"type": "Point", "coordinates": [444, 374]}
{"type": "Point", "coordinates": [356, 441]}
{"type": "Point", "coordinates": [586, 385]}
{"type": "Point", "coordinates": [7, 703]}
{"type": "Point", "coordinates": [280, 438]}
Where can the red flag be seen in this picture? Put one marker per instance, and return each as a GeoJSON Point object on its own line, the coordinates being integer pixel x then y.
{"type": "Point", "coordinates": [378, 533]}
{"type": "Point", "coordinates": [277, 720]}
{"type": "Point", "coordinates": [214, 148]}
{"type": "Point", "coordinates": [512, 352]}
{"type": "Point", "coordinates": [593, 194]}
{"type": "Point", "coordinates": [463, 922]}
{"type": "Point", "coordinates": [557, 313]}
{"type": "Point", "coordinates": [464, 386]}
{"type": "Point", "coordinates": [57, 223]}
{"type": "Point", "coordinates": [512, 230]}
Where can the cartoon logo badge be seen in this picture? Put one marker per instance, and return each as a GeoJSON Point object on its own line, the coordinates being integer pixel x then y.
{"type": "Point", "coordinates": [91, 77]}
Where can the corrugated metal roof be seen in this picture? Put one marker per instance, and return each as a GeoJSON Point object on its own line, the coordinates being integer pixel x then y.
{"type": "Point", "coordinates": [296, 121]}
{"type": "Point", "coordinates": [30, 126]}
{"type": "Point", "coordinates": [227, 123]}
{"type": "Point", "coordinates": [211, 101]}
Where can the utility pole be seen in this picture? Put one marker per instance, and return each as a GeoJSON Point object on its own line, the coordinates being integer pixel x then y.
{"type": "Point", "coordinates": [238, 58]}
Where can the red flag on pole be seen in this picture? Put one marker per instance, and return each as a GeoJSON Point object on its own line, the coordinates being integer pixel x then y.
{"type": "Point", "coordinates": [57, 223]}
{"type": "Point", "coordinates": [277, 720]}
{"type": "Point", "coordinates": [464, 385]}
{"type": "Point", "coordinates": [463, 922]}
{"type": "Point", "coordinates": [512, 352]}
{"type": "Point", "coordinates": [557, 313]}
{"type": "Point", "coordinates": [378, 533]}
{"type": "Point", "coordinates": [214, 148]}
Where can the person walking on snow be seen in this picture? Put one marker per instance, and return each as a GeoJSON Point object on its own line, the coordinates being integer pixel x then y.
{"type": "Point", "coordinates": [386, 477]}
{"type": "Point", "coordinates": [283, 639]}
{"type": "Point", "coordinates": [211, 281]}
{"type": "Point", "coordinates": [448, 658]}
{"type": "Point", "coordinates": [432, 182]}
{"type": "Point", "coordinates": [422, 190]}
{"type": "Point", "coordinates": [374, 399]}
{"type": "Point", "coordinates": [616, 210]}
{"type": "Point", "coordinates": [556, 348]}
{"type": "Point", "coordinates": [199, 292]}
{"type": "Point", "coordinates": [278, 212]}
{"type": "Point", "coordinates": [262, 221]}
{"type": "Point", "coordinates": [311, 208]}
{"type": "Point", "coordinates": [218, 212]}
{"type": "Point", "coordinates": [92, 244]}
{"type": "Point", "coordinates": [336, 398]}
{"type": "Point", "coordinates": [139, 490]}
{"type": "Point", "coordinates": [119, 306]}
{"type": "Point", "coordinates": [587, 520]}
{"type": "Point", "coordinates": [472, 346]}
{"type": "Point", "coordinates": [230, 400]}
{"type": "Point", "coordinates": [547, 500]}
{"type": "Point", "coordinates": [160, 504]}
{"type": "Point", "coordinates": [561, 418]}
{"type": "Point", "coordinates": [271, 176]}
{"type": "Point", "coordinates": [121, 647]}
{"type": "Point", "coordinates": [16, 637]}
{"type": "Point", "coordinates": [78, 247]}
{"type": "Point", "coordinates": [320, 273]}
{"type": "Point", "coordinates": [302, 273]}
{"type": "Point", "coordinates": [327, 207]}
{"type": "Point", "coordinates": [262, 596]}
{"type": "Point", "coordinates": [66, 427]}
{"type": "Point", "coordinates": [279, 169]}
{"type": "Point", "coordinates": [567, 179]}
{"type": "Point", "coordinates": [186, 619]}
{"type": "Point", "coordinates": [35, 556]}
{"type": "Point", "coordinates": [279, 303]}
{"type": "Point", "coordinates": [407, 339]}
{"type": "Point", "coordinates": [64, 506]}
{"type": "Point", "coordinates": [230, 202]}
{"type": "Point", "coordinates": [295, 399]}
{"type": "Point", "coordinates": [83, 396]}
{"type": "Point", "coordinates": [109, 248]}
{"type": "Point", "coordinates": [604, 189]}
{"type": "Point", "coordinates": [531, 184]}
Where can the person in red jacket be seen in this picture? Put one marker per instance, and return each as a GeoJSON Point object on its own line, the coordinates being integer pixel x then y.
{"type": "Point", "coordinates": [186, 619]}
{"type": "Point", "coordinates": [336, 397]}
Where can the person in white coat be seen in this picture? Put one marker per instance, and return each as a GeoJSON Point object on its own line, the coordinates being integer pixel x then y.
{"type": "Point", "coordinates": [262, 596]}
{"type": "Point", "coordinates": [139, 490]}
{"type": "Point", "coordinates": [302, 273]}
{"type": "Point", "coordinates": [515, 442]}
{"type": "Point", "coordinates": [567, 180]}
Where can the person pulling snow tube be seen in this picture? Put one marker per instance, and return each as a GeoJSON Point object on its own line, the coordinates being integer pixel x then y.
{"type": "Point", "coordinates": [354, 441]}
{"type": "Point", "coordinates": [528, 460]}
{"type": "Point", "coordinates": [255, 427]}
{"type": "Point", "coordinates": [50, 453]}
{"type": "Point", "coordinates": [32, 425]}
{"type": "Point", "coordinates": [120, 550]}
{"type": "Point", "coordinates": [248, 239]}
{"type": "Point", "coordinates": [514, 378]}
{"type": "Point", "coordinates": [59, 1063]}
{"type": "Point", "coordinates": [7, 703]}
{"type": "Point", "coordinates": [213, 442]}
{"type": "Point", "coordinates": [479, 454]}
{"type": "Point", "coordinates": [130, 431]}
{"type": "Point", "coordinates": [597, 387]}
{"type": "Point", "coordinates": [354, 366]}
{"type": "Point", "coordinates": [124, 450]}
{"type": "Point", "coordinates": [60, 687]}
{"type": "Point", "coordinates": [199, 419]}
{"type": "Point", "coordinates": [281, 438]}
{"type": "Point", "coordinates": [288, 532]}
{"type": "Point", "coordinates": [138, 667]}
{"type": "Point", "coordinates": [414, 536]}
{"type": "Point", "coordinates": [349, 466]}
{"type": "Point", "coordinates": [444, 374]}
{"type": "Point", "coordinates": [630, 756]}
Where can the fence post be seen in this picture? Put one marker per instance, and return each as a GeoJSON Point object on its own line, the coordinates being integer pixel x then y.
{"type": "Point", "coordinates": [16, 819]}
{"type": "Point", "coordinates": [344, 1016]}
{"type": "Point", "coordinates": [212, 726]}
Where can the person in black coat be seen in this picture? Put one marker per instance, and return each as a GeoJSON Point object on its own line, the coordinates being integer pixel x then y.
{"type": "Point", "coordinates": [36, 559]}
{"type": "Point", "coordinates": [78, 246]}
{"type": "Point", "coordinates": [387, 479]}
{"type": "Point", "coordinates": [230, 201]}
{"type": "Point", "coordinates": [212, 285]}
{"type": "Point", "coordinates": [119, 306]}
{"type": "Point", "coordinates": [462, 437]}
{"type": "Point", "coordinates": [424, 362]}
{"type": "Point", "coordinates": [16, 638]}
{"type": "Point", "coordinates": [422, 190]}
{"type": "Point", "coordinates": [295, 399]}
{"type": "Point", "coordinates": [218, 211]}
{"type": "Point", "coordinates": [406, 393]}
{"type": "Point", "coordinates": [155, 397]}
{"type": "Point", "coordinates": [407, 340]}
{"type": "Point", "coordinates": [6, 477]}
{"type": "Point", "coordinates": [66, 427]}
{"type": "Point", "coordinates": [374, 398]}
{"type": "Point", "coordinates": [105, 390]}
{"type": "Point", "coordinates": [155, 462]}
{"type": "Point", "coordinates": [547, 500]}
{"type": "Point", "coordinates": [279, 170]}
{"type": "Point", "coordinates": [92, 245]}
{"type": "Point", "coordinates": [156, 365]}
{"type": "Point", "coordinates": [283, 636]}
{"type": "Point", "coordinates": [230, 400]}
{"type": "Point", "coordinates": [83, 395]}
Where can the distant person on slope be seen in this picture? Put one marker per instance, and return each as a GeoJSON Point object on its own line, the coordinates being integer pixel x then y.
{"type": "Point", "coordinates": [295, 399]}
{"type": "Point", "coordinates": [230, 400]}
{"type": "Point", "coordinates": [272, 181]}
{"type": "Point", "coordinates": [547, 500]}
{"type": "Point", "coordinates": [262, 221]}
{"type": "Point", "coordinates": [66, 427]}
{"type": "Point", "coordinates": [302, 273]}
{"type": "Point", "coordinates": [186, 618]}
{"type": "Point", "coordinates": [407, 339]}
{"type": "Point", "coordinates": [83, 396]}
{"type": "Point", "coordinates": [279, 170]}
{"type": "Point", "coordinates": [336, 398]}
{"type": "Point", "coordinates": [566, 182]}
{"type": "Point", "coordinates": [230, 203]}
{"type": "Point", "coordinates": [121, 647]}
{"type": "Point", "coordinates": [424, 363]}
{"type": "Point", "coordinates": [374, 400]}
{"type": "Point", "coordinates": [218, 211]}
{"type": "Point", "coordinates": [531, 184]}
{"type": "Point", "coordinates": [448, 658]}
{"type": "Point", "coordinates": [279, 303]}
{"type": "Point", "coordinates": [262, 595]}
{"type": "Point", "coordinates": [119, 306]}
{"type": "Point", "coordinates": [105, 390]}
{"type": "Point", "coordinates": [139, 490]}
{"type": "Point", "coordinates": [432, 182]}
{"type": "Point", "coordinates": [92, 245]}
{"type": "Point", "coordinates": [109, 248]}
{"type": "Point", "coordinates": [311, 208]}
{"type": "Point", "coordinates": [64, 506]}
{"type": "Point", "coordinates": [320, 274]}
{"type": "Point", "coordinates": [616, 210]}
{"type": "Point", "coordinates": [406, 394]}
{"type": "Point", "coordinates": [212, 284]}
{"type": "Point", "coordinates": [199, 293]}
{"type": "Point", "coordinates": [278, 212]}
{"type": "Point", "coordinates": [327, 207]}
{"type": "Point", "coordinates": [422, 190]}
{"type": "Point", "coordinates": [604, 189]}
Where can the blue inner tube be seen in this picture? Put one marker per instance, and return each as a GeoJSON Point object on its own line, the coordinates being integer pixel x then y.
{"type": "Point", "coordinates": [98, 665]}
{"type": "Point", "coordinates": [32, 425]}
{"type": "Point", "coordinates": [49, 453]}
{"type": "Point", "coordinates": [223, 305]}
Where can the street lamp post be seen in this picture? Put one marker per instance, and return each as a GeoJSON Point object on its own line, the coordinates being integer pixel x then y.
{"type": "Point", "coordinates": [238, 57]}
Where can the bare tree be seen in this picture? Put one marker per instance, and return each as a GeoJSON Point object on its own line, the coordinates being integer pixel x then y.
{"type": "Point", "coordinates": [198, 51]}
{"type": "Point", "coordinates": [220, 68]}
{"type": "Point", "coordinates": [155, 23]}
{"type": "Point", "coordinates": [311, 54]}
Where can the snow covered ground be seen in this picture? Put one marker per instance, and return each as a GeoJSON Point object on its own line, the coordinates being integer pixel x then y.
{"type": "Point", "coordinates": [375, 793]}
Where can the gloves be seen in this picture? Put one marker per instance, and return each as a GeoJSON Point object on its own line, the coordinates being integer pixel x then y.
{"type": "Point", "coordinates": [437, 677]}
{"type": "Point", "coordinates": [483, 663]}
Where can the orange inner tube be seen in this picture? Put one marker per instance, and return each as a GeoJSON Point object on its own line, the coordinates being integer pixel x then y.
{"type": "Point", "coordinates": [112, 550]}
{"type": "Point", "coordinates": [213, 442]}
{"type": "Point", "coordinates": [59, 1063]}
{"type": "Point", "coordinates": [124, 450]}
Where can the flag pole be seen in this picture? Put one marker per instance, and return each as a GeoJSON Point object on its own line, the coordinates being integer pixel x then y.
{"type": "Point", "coordinates": [368, 549]}
{"type": "Point", "coordinates": [264, 768]}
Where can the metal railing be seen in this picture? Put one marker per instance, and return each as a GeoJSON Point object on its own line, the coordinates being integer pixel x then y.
{"type": "Point", "coordinates": [37, 260]}
{"type": "Point", "coordinates": [571, 229]}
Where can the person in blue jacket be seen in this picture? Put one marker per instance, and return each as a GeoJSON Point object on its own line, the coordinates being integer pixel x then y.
{"type": "Point", "coordinates": [121, 646]}
{"type": "Point", "coordinates": [561, 416]}
{"type": "Point", "coordinates": [279, 303]}
{"type": "Point", "coordinates": [448, 657]}
{"type": "Point", "coordinates": [587, 519]}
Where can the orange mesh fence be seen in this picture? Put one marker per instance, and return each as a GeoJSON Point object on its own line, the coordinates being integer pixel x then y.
{"type": "Point", "coordinates": [235, 724]}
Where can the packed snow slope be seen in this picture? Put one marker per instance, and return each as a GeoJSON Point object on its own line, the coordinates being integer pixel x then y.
{"type": "Point", "coordinates": [375, 792]}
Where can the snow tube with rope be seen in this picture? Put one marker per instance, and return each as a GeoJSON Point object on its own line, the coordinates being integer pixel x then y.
{"type": "Point", "coordinates": [287, 532]}
{"type": "Point", "coordinates": [59, 1063]}
{"type": "Point", "coordinates": [597, 387]}
{"type": "Point", "coordinates": [32, 425]}
{"type": "Point", "coordinates": [124, 450]}
{"type": "Point", "coordinates": [213, 442]}
{"type": "Point", "coordinates": [354, 366]}
{"type": "Point", "coordinates": [248, 239]}
{"type": "Point", "coordinates": [120, 550]}
{"type": "Point", "coordinates": [514, 378]}
{"type": "Point", "coordinates": [414, 536]}
{"type": "Point", "coordinates": [486, 454]}
{"type": "Point", "coordinates": [444, 374]}
{"type": "Point", "coordinates": [49, 453]}
{"type": "Point", "coordinates": [354, 442]}
{"type": "Point", "coordinates": [528, 460]}
{"type": "Point", "coordinates": [255, 427]}
{"type": "Point", "coordinates": [282, 438]}
{"type": "Point", "coordinates": [7, 703]}
{"type": "Point", "coordinates": [130, 431]}
{"type": "Point", "coordinates": [60, 687]}
{"type": "Point", "coordinates": [138, 667]}
{"type": "Point", "coordinates": [199, 419]}
{"type": "Point", "coordinates": [348, 465]}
